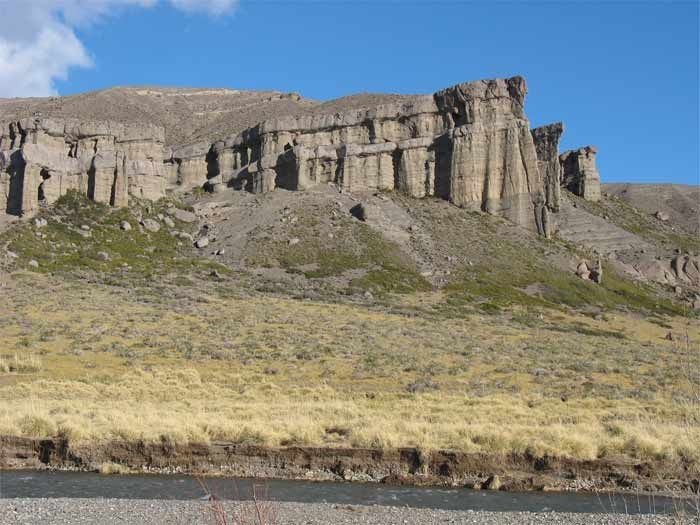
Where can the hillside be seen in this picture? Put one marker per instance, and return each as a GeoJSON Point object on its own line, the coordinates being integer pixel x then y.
{"type": "Point", "coordinates": [301, 326]}
{"type": "Point", "coordinates": [681, 203]}
{"type": "Point", "coordinates": [389, 288]}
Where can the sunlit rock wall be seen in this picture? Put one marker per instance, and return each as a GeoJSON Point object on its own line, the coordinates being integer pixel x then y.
{"type": "Point", "coordinates": [41, 159]}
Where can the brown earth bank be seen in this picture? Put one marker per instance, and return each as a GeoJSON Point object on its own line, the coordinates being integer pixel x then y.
{"type": "Point", "coordinates": [402, 466]}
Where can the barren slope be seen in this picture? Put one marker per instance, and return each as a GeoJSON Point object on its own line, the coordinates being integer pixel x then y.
{"type": "Point", "coordinates": [183, 112]}
{"type": "Point", "coordinates": [681, 202]}
{"type": "Point", "coordinates": [187, 114]}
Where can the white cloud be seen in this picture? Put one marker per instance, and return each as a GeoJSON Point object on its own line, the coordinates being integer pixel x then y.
{"type": "Point", "coordinates": [40, 46]}
{"type": "Point", "coordinates": [213, 7]}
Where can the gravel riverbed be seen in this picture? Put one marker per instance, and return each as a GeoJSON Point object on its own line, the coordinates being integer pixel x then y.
{"type": "Point", "coordinates": [120, 511]}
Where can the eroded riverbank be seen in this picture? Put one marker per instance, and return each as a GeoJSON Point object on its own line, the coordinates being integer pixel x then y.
{"type": "Point", "coordinates": [405, 466]}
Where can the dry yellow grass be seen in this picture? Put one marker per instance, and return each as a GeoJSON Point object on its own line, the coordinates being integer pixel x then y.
{"type": "Point", "coordinates": [20, 364]}
{"type": "Point", "coordinates": [198, 365]}
{"type": "Point", "coordinates": [178, 406]}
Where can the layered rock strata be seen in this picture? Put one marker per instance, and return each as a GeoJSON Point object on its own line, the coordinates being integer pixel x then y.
{"type": "Point", "coordinates": [41, 159]}
{"type": "Point", "coordinates": [470, 144]}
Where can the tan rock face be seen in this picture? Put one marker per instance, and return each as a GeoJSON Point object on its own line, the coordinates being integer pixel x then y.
{"type": "Point", "coordinates": [41, 159]}
{"type": "Point", "coordinates": [579, 173]}
{"type": "Point", "coordinates": [493, 158]}
{"type": "Point", "coordinates": [470, 144]}
{"type": "Point", "coordinates": [189, 166]}
{"type": "Point", "coordinates": [546, 140]}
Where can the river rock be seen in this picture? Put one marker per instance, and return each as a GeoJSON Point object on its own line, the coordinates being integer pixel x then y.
{"type": "Point", "coordinates": [492, 483]}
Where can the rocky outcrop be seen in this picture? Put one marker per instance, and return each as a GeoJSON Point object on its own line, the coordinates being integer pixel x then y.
{"type": "Point", "coordinates": [546, 140]}
{"type": "Point", "coordinates": [469, 144]}
{"type": "Point", "coordinates": [686, 269]}
{"type": "Point", "coordinates": [493, 157]}
{"type": "Point", "coordinates": [188, 166]}
{"type": "Point", "coordinates": [682, 270]}
{"type": "Point", "coordinates": [41, 159]}
{"type": "Point", "coordinates": [580, 175]}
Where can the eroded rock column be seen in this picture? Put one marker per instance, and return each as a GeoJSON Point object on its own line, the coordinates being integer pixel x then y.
{"type": "Point", "coordinates": [580, 174]}
{"type": "Point", "coordinates": [546, 140]}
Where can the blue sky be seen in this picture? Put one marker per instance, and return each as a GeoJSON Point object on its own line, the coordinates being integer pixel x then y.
{"type": "Point", "coordinates": [621, 75]}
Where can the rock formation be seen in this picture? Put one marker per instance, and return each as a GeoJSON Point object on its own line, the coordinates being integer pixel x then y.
{"type": "Point", "coordinates": [580, 175]}
{"type": "Point", "coordinates": [679, 270]}
{"type": "Point", "coordinates": [547, 145]}
{"type": "Point", "coordinates": [42, 158]}
{"type": "Point", "coordinates": [188, 165]}
{"type": "Point", "coordinates": [470, 144]}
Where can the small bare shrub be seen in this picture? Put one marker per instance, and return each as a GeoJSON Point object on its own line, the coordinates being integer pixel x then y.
{"type": "Point", "coordinates": [259, 510]}
{"type": "Point", "coordinates": [113, 468]}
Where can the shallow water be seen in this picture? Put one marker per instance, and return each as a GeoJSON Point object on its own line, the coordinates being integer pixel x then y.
{"type": "Point", "coordinates": [41, 484]}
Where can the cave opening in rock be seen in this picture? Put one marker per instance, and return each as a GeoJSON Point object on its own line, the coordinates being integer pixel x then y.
{"type": "Point", "coordinates": [45, 175]}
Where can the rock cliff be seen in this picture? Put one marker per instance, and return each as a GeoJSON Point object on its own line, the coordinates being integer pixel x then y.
{"type": "Point", "coordinates": [470, 144]}
{"type": "Point", "coordinates": [42, 158]}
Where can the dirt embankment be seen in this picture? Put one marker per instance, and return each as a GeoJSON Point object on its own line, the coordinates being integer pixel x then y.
{"type": "Point", "coordinates": [394, 466]}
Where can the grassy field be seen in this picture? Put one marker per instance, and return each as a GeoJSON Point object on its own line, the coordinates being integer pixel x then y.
{"type": "Point", "coordinates": [184, 365]}
{"type": "Point", "coordinates": [151, 345]}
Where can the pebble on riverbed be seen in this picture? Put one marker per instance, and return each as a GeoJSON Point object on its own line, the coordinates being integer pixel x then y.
{"type": "Point", "coordinates": [131, 512]}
